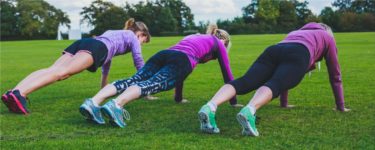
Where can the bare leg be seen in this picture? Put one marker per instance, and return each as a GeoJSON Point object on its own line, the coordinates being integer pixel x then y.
{"type": "Point", "coordinates": [63, 70]}
{"type": "Point", "coordinates": [108, 91]}
{"type": "Point", "coordinates": [261, 97]}
{"type": "Point", "coordinates": [225, 93]}
{"type": "Point", "coordinates": [35, 75]}
{"type": "Point", "coordinates": [130, 94]}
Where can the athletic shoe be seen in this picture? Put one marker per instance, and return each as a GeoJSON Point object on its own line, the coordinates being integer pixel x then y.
{"type": "Point", "coordinates": [207, 119]}
{"type": "Point", "coordinates": [17, 103]}
{"type": "Point", "coordinates": [5, 98]}
{"type": "Point", "coordinates": [91, 112]}
{"type": "Point", "coordinates": [116, 115]}
{"type": "Point", "coordinates": [247, 121]}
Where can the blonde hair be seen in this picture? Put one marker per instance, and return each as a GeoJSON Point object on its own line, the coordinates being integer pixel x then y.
{"type": "Point", "coordinates": [327, 28]}
{"type": "Point", "coordinates": [135, 26]}
{"type": "Point", "coordinates": [221, 34]}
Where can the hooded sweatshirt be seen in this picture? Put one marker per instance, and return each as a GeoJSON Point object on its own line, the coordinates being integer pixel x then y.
{"type": "Point", "coordinates": [120, 42]}
{"type": "Point", "coordinates": [320, 45]}
{"type": "Point", "coordinates": [201, 49]}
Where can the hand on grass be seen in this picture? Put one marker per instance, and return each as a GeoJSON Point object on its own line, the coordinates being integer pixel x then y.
{"type": "Point", "coordinates": [345, 110]}
{"type": "Point", "coordinates": [183, 101]}
{"type": "Point", "coordinates": [237, 105]}
{"type": "Point", "coordinates": [151, 98]}
{"type": "Point", "coordinates": [289, 106]}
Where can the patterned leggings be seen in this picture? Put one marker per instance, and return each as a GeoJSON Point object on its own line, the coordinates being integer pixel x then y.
{"type": "Point", "coordinates": [161, 73]}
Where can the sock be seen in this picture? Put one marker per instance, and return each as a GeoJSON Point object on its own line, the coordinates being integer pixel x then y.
{"type": "Point", "coordinates": [117, 104]}
{"type": "Point", "coordinates": [212, 105]}
{"type": "Point", "coordinates": [252, 109]}
{"type": "Point", "coordinates": [95, 104]}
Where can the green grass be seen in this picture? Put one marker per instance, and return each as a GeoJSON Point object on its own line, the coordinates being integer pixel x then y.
{"type": "Point", "coordinates": [55, 122]}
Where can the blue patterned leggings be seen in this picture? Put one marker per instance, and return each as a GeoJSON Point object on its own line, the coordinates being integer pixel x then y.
{"type": "Point", "coordinates": [160, 73]}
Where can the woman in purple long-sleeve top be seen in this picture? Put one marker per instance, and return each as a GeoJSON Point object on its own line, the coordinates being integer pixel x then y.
{"type": "Point", "coordinates": [279, 68]}
{"type": "Point", "coordinates": [89, 54]}
{"type": "Point", "coordinates": [163, 71]}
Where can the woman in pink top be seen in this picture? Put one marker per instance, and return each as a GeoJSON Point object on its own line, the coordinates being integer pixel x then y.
{"type": "Point", "coordinates": [88, 54]}
{"type": "Point", "coordinates": [280, 68]}
{"type": "Point", "coordinates": [165, 70]}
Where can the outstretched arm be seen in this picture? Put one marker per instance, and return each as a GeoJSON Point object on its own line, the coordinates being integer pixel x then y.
{"type": "Point", "coordinates": [225, 68]}
{"type": "Point", "coordinates": [284, 99]}
{"type": "Point", "coordinates": [178, 92]}
{"type": "Point", "coordinates": [105, 71]}
{"type": "Point", "coordinates": [137, 55]}
{"type": "Point", "coordinates": [335, 75]}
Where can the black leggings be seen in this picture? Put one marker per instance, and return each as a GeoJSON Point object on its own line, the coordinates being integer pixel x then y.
{"type": "Point", "coordinates": [160, 73]}
{"type": "Point", "coordinates": [280, 67]}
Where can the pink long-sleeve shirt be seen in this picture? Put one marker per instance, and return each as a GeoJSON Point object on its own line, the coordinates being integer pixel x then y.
{"type": "Point", "coordinates": [120, 42]}
{"type": "Point", "coordinates": [320, 45]}
{"type": "Point", "coordinates": [201, 49]}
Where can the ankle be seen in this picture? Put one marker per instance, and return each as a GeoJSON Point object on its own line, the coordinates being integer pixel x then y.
{"type": "Point", "coordinates": [23, 94]}
{"type": "Point", "coordinates": [212, 106]}
{"type": "Point", "coordinates": [117, 104]}
{"type": "Point", "coordinates": [94, 102]}
{"type": "Point", "coordinates": [251, 108]}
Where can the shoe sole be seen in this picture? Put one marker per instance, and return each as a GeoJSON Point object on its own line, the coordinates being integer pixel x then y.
{"type": "Point", "coordinates": [16, 105]}
{"type": "Point", "coordinates": [89, 116]}
{"type": "Point", "coordinates": [108, 115]}
{"type": "Point", "coordinates": [246, 128]}
{"type": "Point", "coordinates": [205, 127]}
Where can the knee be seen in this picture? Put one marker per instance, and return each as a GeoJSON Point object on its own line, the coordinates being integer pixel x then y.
{"type": "Point", "coordinates": [60, 73]}
{"type": "Point", "coordinates": [242, 85]}
{"type": "Point", "coordinates": [275, 87]}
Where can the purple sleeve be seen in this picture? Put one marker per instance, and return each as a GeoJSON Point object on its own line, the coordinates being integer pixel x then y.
{"type": "Point", "coordinates": [335, 74]}
{"type": "Point", "coordinates": [178, 92]}
{"type": "Point", "coordinates": [137, 54]}
{"type": "Point", "coordinates": [225, 68]}
{"type": "Point", "coordinates": [284, 99]}
{"type": "Point", "coordinates": [106, 67]}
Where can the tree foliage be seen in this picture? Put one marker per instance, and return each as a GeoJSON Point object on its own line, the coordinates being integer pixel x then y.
{"type": "Point", "coordinates": [357, 15]}
{"type": "Point", "coordinates": [163, 17]}
{"type": "Point", "coordinates": [265, 16]}
{"type": "Point", "coordinates": [103, 16]}
{"type": "Point", "coordinates": [23, 19]}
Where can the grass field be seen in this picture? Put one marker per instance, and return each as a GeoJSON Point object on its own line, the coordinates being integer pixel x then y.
{"type": "Point", "coordinates": [55, 122]}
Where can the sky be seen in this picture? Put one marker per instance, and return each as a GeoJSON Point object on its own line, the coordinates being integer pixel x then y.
{"type": "Point", "coordinates": [203, 10]}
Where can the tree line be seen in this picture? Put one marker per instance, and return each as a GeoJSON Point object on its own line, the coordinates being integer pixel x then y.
{"type": "Point", "coordinates": [163, 17]}
{"type": "Point", "coordinates": [266, 16]}
{"type": "Point", "coordinates": [36, 19]}
{"type": "Point", "coordinates": [25, 19]}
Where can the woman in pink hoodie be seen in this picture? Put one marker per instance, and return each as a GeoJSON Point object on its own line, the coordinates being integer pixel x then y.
{"type": "Point", "coordinates": [279, 68]}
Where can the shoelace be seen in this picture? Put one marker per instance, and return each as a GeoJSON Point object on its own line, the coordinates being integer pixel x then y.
{"type": "Point", "coordinates": [125, 114]}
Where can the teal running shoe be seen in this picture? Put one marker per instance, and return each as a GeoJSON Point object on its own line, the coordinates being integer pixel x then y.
{"type": "Point", "coordinates": [207, 119]}
{"type": "Point", "coordinates": [91, 112]}
{"type": "Point", "coordinates": [116, 115]}
{"type": "Point", "coordinates": [247, 121]}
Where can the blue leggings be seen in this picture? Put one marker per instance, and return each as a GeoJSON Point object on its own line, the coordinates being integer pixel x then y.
{"type": "Point", "coordinates": [160, 73]}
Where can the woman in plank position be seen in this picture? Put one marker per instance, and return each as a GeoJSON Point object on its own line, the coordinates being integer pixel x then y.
{"type": "Point", "coordinates": [279, 68]}
{"type": "Point", "coordinates": [85, 54]}
{"type": "Point", "coordinates": [165, 70]}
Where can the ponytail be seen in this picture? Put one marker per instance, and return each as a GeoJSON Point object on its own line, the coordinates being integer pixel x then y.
{"type": "Point", "coordinates": [129, 24]}
{"type": "Point", "coordinates": [211, 29]}
{"type": "Point", "coordinates": [134, 26]}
